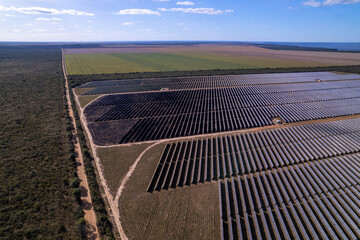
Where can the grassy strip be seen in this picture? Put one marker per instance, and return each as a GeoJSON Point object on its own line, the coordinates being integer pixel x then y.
{"type": "Point", "coordinates": [37, 166]}
{"type": "Point", "coordinates": [103, 223]}
{"type": "Point", "coordinates": [76, 80]}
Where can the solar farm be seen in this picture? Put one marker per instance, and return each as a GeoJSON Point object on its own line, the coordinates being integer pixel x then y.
{"type": "Point", "coordinates": [261, 156]}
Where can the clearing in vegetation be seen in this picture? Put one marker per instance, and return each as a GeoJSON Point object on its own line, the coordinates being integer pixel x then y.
{"type": "Point", "coordinates": [148, 116]}
{"type": "Point", "coordinates": [193, 180]}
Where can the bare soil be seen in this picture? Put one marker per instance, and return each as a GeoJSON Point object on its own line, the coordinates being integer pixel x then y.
{"type": "Point", "coordinates": [89, 213]}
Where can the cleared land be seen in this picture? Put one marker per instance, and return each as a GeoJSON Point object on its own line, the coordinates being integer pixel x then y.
{"type": "Point", "coordinates": [197, 57]}
{"type": "Point", "coordinates": [199, 82]}
{"type": "Point", "coordinates": [195, 180]}
{"type": "Point", "coordinates": [116, 162]}
{"type": "Point", "coordinates": [148, 116]}
{"type": "Point", "coordinates": [190, 213]}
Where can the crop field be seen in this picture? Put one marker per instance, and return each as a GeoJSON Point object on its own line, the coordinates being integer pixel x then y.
{"type": "Point", "coordinates": [199, 57]}
{"type": "Point", "coordinates": [148, 116]}
{"type": "Point", "coordinates": [263, 156]}
{"type": "Point", "coordinates": [155, 62]}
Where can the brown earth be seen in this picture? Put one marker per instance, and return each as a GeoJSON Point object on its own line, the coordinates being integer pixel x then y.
{"type": "Point", "coordinates": [89, 213]}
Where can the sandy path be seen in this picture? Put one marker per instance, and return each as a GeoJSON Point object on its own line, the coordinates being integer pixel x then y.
{"type": "Point", "coordinates": [90, 216]}
{"type": "Point", "coordinates": [114, 206]}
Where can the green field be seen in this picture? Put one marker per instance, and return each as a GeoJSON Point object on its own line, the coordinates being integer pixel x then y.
{"type": "Point", "coordinates": [154, 62]}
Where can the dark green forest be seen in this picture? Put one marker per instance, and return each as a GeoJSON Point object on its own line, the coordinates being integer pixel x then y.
{"type": "Point", "coordinates": [37, 198]}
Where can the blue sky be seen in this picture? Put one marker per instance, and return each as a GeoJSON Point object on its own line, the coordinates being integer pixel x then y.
{"type": "Point", "coordinates": [151, 20]}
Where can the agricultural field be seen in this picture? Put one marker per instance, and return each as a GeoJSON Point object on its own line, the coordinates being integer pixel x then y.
{"type": "Point", "coordinates": [195, 57]}
{"type": "Point", "coordinates": [261, 156]}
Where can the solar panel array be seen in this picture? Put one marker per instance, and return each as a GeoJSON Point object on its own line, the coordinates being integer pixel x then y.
{"type": "Point", "coordinates": [162, 115]}
{"type": "Point", "coordinates": [318, 200]}
{"type": "Point", "coordinates": [299, 182]}
{"type": "Point", "coordinates": [206, 159]}
{"type": "Point", "coordinates": [176, 83]}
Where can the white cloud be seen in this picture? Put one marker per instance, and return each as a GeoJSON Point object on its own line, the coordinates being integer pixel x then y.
{"type": "Point", "coordinates": [128, 23]}
{"type": "Point", "coordinates": [161, 0]}
{"type": "Point", "coordinates": [314, 3]}
{"type": "Point", "coordinates": [208, 11]}
{"type": "Point", "coordinates": [48, 19]}
{"type": "Point", "coordinates": [16, 30]}
{"type": "Point", "coordinates": [332, 2]}
{"type": "Point", "coordinates": [187, 3]}
{"type": "Point", "coordinates": [9, 15]}
{"type": "Point", "coordinates": [40, 30]}
{"type": "Point", "coordinates": [136, 11]}
{"type": "Point", "coordinates": [41, 10]}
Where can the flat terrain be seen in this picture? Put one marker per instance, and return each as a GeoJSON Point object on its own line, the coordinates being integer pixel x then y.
{"type": "Point", "coordinates": [36, 197]}
{"type": "Point", "coordinates": [206, 158]}
{"type": "Point", "coordinates": [149, 116]}
{"type": "Point", "coordinates": [190, 213]}
{"type": "Point", "coordinates": [195, 57]}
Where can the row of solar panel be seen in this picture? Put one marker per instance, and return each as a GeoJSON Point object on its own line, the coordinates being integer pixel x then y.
{"type": "Point", "coordinates": [181, 125]}
{"type": "Point", "coordinates": [219, 93]}
{"type": "Point", "coordinates": [190, 105]}
{"type": "Point", "coordinates": [155, 84]}
{"type": "Point", "coordinates": [318, 200]}
{"type": "Point", "coordinates": [203, 160]}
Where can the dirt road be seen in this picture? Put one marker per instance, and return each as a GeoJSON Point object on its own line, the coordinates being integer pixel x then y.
{"type": "Point", "coordinates": [90, 216]}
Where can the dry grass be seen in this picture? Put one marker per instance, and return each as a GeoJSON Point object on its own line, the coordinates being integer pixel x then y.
{"type": "Point", "coordinates": [187, 213]}
{"type": "Point", "coordinates": [81, 91]}
{"type": "Point", "coordinates": [84, 100]}
{"type": "Point", "coordinates": [116, 162]}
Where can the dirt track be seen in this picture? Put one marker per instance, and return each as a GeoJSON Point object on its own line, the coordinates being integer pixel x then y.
{"type": "Point", "coordinates": [90, 216]}
{"type": "Point", "coordinates": [114, 206]}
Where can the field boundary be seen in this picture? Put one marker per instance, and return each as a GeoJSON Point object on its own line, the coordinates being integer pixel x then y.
{"type": "Point", "coordinates": [110, 199]}
{"type": "Point", "coordinates": [89, 213]}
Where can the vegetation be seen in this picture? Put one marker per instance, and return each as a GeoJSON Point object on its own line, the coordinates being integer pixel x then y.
{"type": "Point", "coordinates": [76, 80]}
{"type": "Point", "coordinates": [116, 162]}
{"type": "Point", "coordinates": [186, 213]}
{"type": "Point", "coordinates": [103, 223]}
{"type": "Point", "coordinates": [36, 156]}
{"type": "Point", "coordinates": [298, 48]}
{"type": "Point", "coordinates": [181, 61]}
